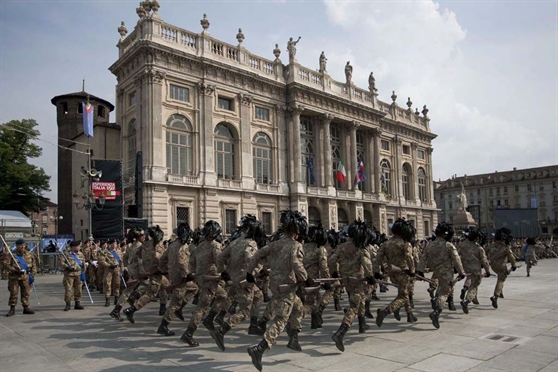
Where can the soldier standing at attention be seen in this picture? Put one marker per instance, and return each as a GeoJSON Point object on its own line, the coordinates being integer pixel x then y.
{"type": "Point", "coordinates": [354, 266]}
{"type": "Point", "coordinates": [499, 253]}
{"type": "Point", "coordinates": [441, 257]}
{"type": "Point", "coordinates": [399, 252]}
{"type": "Point", "coordinates": [89, 256]}
{"type": "Point", "coordinates": [284, 257]}
{"type": "Point", "coordinates": [474, 260]}
{"type": "Point", "coordinates": [21, 271]}
{"type": "Point", "coordinates": [529, 253]}
{"type": "Point", "coordinates": [73, 265]}
{"type": "Point", "coordinates": [101, 251]}
{"type": "Point", "coordinates": [112, 263]}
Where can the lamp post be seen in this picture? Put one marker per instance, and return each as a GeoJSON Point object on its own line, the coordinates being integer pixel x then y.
{"type": "Point", "coordinates": [56, 217]}
{"type": "Point", "coordinates": [89, 200]}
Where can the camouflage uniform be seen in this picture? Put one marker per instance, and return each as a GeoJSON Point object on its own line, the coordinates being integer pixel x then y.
{"type": "Point", "coordinates": [473, 259]}
{"type": "Point", "coordinates": [335, 290]}
{"type": "Point", "coordinates": [284, 257]}
{"type": "Point", "coordinates": [72, 272]}
{"type": "Point", "coordinates": [176, 261]}
{"type": "Point", "coordinates": [150, 255]}
{"type": "Point", "coordinates": [112, 270]}
{"type": "Point", "coordinates": [100, 268]}
{"type": "Point", "coordinates": [498, 255]}
{"type": "Point", "coordinates": [236, 256]}
{"type": "Point", "coordinates": [19, 281]}
{"type": "Point", "coordinates": [353, 263]}
{"type": "Point", "coordinates": [315, 264]}
{"type": "Point", "coordinates": [133, 265]}
{"type": "Point", "coordinates": [397, 252]}
{"type": "Point", "coordinates": [90, 270]}
{"type": "Point", "coordinates": [531, 257]}
{"type": "Point", "coordinates": [416, 259]}
{"type": "Point", "coordinates": [441, 257]}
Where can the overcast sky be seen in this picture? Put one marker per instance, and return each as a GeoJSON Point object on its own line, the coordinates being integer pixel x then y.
{"type": "Point", "coordinates": [487, 70]}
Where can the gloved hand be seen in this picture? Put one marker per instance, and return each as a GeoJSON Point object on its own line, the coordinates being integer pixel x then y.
{"type": "Point", "coordinates": [408, 272]}
{"type": "Point", "coordinates": [18, 271]}
{"type": "Point", "coordinates": [420, 273]}
{"type": "Point", "coordinates": [513, 268]}
{"type": "Point", "coordinates": [310, 282]}
{"type": "Point", "coordinates": [378, 276]}
{"type": "Point", "coordinates": [190, 277]}
{"type": "Point", "coordinates": [250, 278]}
{"type": "Point", "coordinates": [370, 280]}
{"type": "Point", "coordinates": [487, 274]}
{"type": "Point", "coordinates": [225, 276]}
{"type": "Point", "coordinates": [326, 286]}
{"type": "Point", "coordinates": [335, 274]}
{"type": "Point", "coordinates": [113, 266]}
{"type": "Point", "coordinates": [460, 277]}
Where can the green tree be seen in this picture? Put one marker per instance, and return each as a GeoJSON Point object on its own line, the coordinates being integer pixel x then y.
{"type": "Point", "coordinates": [22, 184]}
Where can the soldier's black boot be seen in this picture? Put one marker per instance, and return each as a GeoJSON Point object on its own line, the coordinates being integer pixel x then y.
{"type": "Point", "coordinates": [256, 353]}
{"type": "Point", "coordinates": [115, 313]}
{"type": "Point", "coordinates": [476, 300]}
{"type": "Point", "coordinates": [107, 302]}
{"type": "Point", "coordinates": [362, 326]}
{"type": "Point", "coordinates": [220, 319]}
{"type": "Point", "coordinates": [115, 300]}
{"type": "Point", "coordinates": [101, 290]}
{"type": "Point", "coordinates": [463, 292]}
{"type": "Point", "coordinates": [178, 313]}
{"type": "Point", "coordinates": [431, 292]}
{"type": "Point", "coordinates": [501, 295]}
{"type": "Point", "coordinates": [293, 340]}
{"type": "Point", "coordinates": [396, 315]}
{"type": "Point", "coordinates": [162, 309]}
{"type": "Point", "coordinates": [451, 305]}
{"type": "Point", "coordinates": [320, 313]}
{"type": "Point", "coordinates": [254, 329]}
{"type": "Point", "coordinates": [433, 302]}
{"type": "Point", "coordinates": [208, 320]}
{"type": "Point", "coordinates": [465, 306]}
{"type": "Point", "coordinates": [262, 324]}
{"type": "Point", "coordinates": [232, 308]}
{"type": "Point", "coordinates": [336, 304]}
{"type": "Point", "coordinates": [266, 298]}
{"type": "Point", "coordinates": [27, 310]}
{"type": "Point", "coordinates": [338, 337]}
{"type": "Point", "coordinates": [188, 337]}
{"type": "Point", "coordinates": [411, 318]}
{"type": "Point", "coordinates": [367, 312]}
{"type": "Point", "coordinates": [68, 306]}
{"type": "Point", "coordinates": [219, 335]}
{"type": "Point", "coordinates": [164, 329]}
{"type": "Point", "coordinates": [375, 296]}
{"type": "Point", "coordinates": [494, 300]}
{"type": "Point", "coordinates": [196, 298]}
{"type": "Point", "coordinates": [314, 321]}
{"type": "Point", "coordinates": [129, 312]}
{"type": "Point", "coordinates": [383, 288]}
{"type": "Point", "coordinates": [380, 315]}
{"type": "Point", "coordinates": [434, 317]}
{"type": "Point", "coordinates": [411, 303]}
{"type": "Point", "coordinates": [11, 312]}
{"type": "Point", "coordinates": [78, 306]}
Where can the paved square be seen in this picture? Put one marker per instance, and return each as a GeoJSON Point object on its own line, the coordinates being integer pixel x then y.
{"type": "Point", "coordinates": [89, 340]}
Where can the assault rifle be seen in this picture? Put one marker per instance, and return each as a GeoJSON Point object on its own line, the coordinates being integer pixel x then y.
{"type": "Point", "coordinates": [395, 269]}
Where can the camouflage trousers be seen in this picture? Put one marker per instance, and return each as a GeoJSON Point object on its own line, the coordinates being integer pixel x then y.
{"type": "Point", "coordinates": [137, 289]}
{"type": "Point", "coordinates": [91, 275]}
{"type": "Point", "coordinates": [153, 287]}
{"type": "Point", "coordinates": [287, 309]}
{"type": "Point", "coordinates": [402, 300]}
{"type": "Point", "coordinates": [14, 286]}
{"type": "Point", "coordinates": [72, 283]}
{"type": "Point", "coordinates": [328, 294]}
{"type": "Point", "coordinates": [502, 273]}
{"type": "Point", "coordinates": [209, 291]}
{"type": "Point", "coordinates": [163, 295]}
{"type": "Point", "coordinates": [411, 287]}
{"type": "Point", "coordinates": [100, 276]}
{"type": "Point", "coordinates": [249, 298]}
{"type": "Point", "coordinates": [183, 293]}
{"type": "Point", "coordinates": [444, 288]}
{"type": "Point", "coordinates": [474, 282]}
{"type": "Point", "coordinates": [530, 261]}
{"type": "Point", "coordinates": [112, 282]}
{"type": "Point", "coordinates": [356, 302]}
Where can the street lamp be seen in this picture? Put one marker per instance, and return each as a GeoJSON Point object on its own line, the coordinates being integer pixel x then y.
{"type": "Point", "coordinates": [56, 217]}
{"type": "Point", "coordinates": [89, 201]}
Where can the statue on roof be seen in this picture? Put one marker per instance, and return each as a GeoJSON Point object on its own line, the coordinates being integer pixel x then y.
{"type": "Point", "coordinates": [348, 72]}
{"type": "Point", "coordinates": [291, 48]}
{"type": "Point", "coordinates": [323, 63]}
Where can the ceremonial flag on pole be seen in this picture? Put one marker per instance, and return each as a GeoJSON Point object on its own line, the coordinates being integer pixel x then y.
{"type": "Point", "coordinates": [341, 175]}
{"type": "Point", "coordinates": [310, 166]}
{"type": "Point", "coordinates": [87, 119]}
{"type": "Point", "coordinates": [359, 175]}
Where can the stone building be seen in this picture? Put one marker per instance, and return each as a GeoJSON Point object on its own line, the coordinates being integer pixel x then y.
{"type": "Point", "coordinates": [223, 132]}
{"type": "Point", "coordinates": [516, 189]}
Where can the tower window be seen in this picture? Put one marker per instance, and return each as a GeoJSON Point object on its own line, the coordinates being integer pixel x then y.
{"type": "Point", "coordinates": [101, 111]}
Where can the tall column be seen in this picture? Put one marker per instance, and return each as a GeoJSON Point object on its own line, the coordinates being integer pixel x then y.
{"type": "Point", "coordinates": [347, 155]}
{"type": "Point", "coordinates": [207, 161]}
{"type": "Point", "coordinates": [318, 157]}
{"type": "Point", "coordinates": [377, 133]}
{"type": "Point", "coordinates": [246, 168]}
{"type": "Point", "coordinates": [280, 142]}
{"type": "Point", "coordinates": [154, 120]}
{"type": "Point", "coordinates": [353, 152]}
{"type": "Point", "coordinates": [415, 185]}
{"type": "Point", "coordinates": [429, 179]}
{"type": "Point", "coordinates": [397, 168]}
{"type": "Point", "coordinates": [369, 162]}
{"type": "Point", "coordinates": [328, 171]}
{"type": "Point", "coordinates": [294, 126]}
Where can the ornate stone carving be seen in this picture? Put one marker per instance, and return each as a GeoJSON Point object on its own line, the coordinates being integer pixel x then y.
{"type": "Point", "coordinates": [409, 104]}
{"type": "Point", "coordinates": [429, 150]}
{"type": "Point", "coordinates": [156, 76]}
{"type": "Point", "coordinates": [393, 96]}
{"type": "Point", "coordinates": [296, 109]}
{"type": "Point", "coordinates": [146, 6]}
{"type": "Point", "coordinates": [291, 48]}
{"type": "Point", "coordinates": [323, 63]}
{"type": "Point", "coordinates": [327, 118]}
{"type": "Point", "coordinates": [280, 109]}
{"type": "Point", "coordinates": [204, 22]}
{"type": "Point", "coordinates": [138, 81]}
{"type": "Point", "coordinates": [122, 30]}
{"type": "Point", "coordinates": [155, 6]}
{"type": "Point", "coordinates": [119, 93]}
{"type": "Point", "coordinates": [349, 73]}
{"type": "Point", "coordinates": [206, 89]}
{"type": "Point", "coordinates": [425, 111]}
{"type": "Point", "coordinates": [372, 83]}
{"type": "Point", "coordinates": [417, 113]}
{"type": "Point", "coordinates": [240, 36]}
{"type": "Point", "coordinates": [277, 53]}
{"type": "Point", "coordinates": [414, 146]}
{"type": "Point", "coordinates": [141, 12]}
{"type": "Point", "coordinates": [354, 125]}
{"type": "Point", "coordinates": [376, 132]}
{"type": "Point", "coordinates": [245, 99]}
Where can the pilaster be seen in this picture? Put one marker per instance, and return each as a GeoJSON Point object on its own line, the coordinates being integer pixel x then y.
{"type": "Point", "coordinates": [246, 170]}
{"type": "Point", "coordinates": [207, 161]}
{"type": "Point", "coordinates": [353, 153]}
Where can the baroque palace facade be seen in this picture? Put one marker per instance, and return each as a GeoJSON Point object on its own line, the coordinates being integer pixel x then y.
{"type": "Point", "coordinates": [223, 132]}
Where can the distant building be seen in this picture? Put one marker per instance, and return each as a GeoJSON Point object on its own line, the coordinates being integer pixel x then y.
{"type": "Point", "coordinates": [14, 225]}
{"type": "Point", "coordinates": [223, 132]}
{"type": "Point", "coordinates": [533, 188]}
{"type": "Point", "coordinates": [44, 221]}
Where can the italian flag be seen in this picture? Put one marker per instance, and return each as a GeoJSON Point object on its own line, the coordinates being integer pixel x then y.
{"type": "Point", "coordinates": [341, 174]}
{"type": "Point", "coordinates": [112, 193]}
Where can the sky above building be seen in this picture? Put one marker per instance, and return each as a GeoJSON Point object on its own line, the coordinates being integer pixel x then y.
{"type": "Point", "coordinates": [487, 70]}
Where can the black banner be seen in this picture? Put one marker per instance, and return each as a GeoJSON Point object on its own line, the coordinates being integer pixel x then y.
{"type": "Point", "coordinates": [109, 222]}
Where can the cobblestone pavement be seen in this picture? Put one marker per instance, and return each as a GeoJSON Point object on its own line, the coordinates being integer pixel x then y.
{"type": "Point", "coordinates": [522, 335]}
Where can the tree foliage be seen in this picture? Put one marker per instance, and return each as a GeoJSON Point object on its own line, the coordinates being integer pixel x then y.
{"type": "Point", "coordinates": [22, 184]}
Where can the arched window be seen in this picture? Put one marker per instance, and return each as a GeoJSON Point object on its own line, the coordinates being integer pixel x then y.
{"type": "Point", "coordinates": [361, 148]}
{"type": "Point", "coordinates": [386, 178]}
{"type": "Point", "coordinates": [342, 218]}
{"type": "Point", "coordinates": [421, 175]}
{"type": "Point", "coordinates": [313, 216]}
{"type": "Point", "coordinates": [261, 155]}
{"type": "Point", "coordinates": [180, 154]}
{"type": "Point", "coordinates": [224, 152]}
{"type": "Point", "coordinates": [406, 178]}
{"type": "Point", "coordinates": [307, 147]}
{"type": "Point", "coordinates": [130, 167]}
{"type": "Point", "coordinates": [335, 152]}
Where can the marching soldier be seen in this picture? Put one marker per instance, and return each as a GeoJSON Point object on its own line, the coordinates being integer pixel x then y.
{"type": "Point", "coordinates": [21, 271]}
{"type": "Point", "coordinates": [529, 253]}
{"type": "Point", "coordinates": [101, 251]}
{"type": "Point", "coordinates": [73, 265]}
{"type": "Point", "coordinates": [335, 290]}
{"type": "Point", "coordinates": [499, 253]}
{"type": "Point", "coordinates": [112, 263]}
{"type": "Point", "coordinates": [474, 260]}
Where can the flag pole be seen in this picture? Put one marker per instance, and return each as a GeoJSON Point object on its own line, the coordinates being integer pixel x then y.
{"type": "Point", "coordinates": [89, 173]}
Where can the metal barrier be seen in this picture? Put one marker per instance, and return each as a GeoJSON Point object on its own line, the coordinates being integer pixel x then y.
{"type": "Point", "coordinates": [49, 263]}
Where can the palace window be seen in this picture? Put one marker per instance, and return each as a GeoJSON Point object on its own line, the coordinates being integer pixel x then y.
{"type": "Point", "coordinates": [131, 150]}
{"type": "Point", "coordinates": [406, 178]}
{"type": "Point", "coordinates": [179, 93]}
{"type": "Point", "coordinates": [385, 145]}
{"type": "Point", "coordinates": [267, 223]}
{"type": "Point", "coordinates": [262, 113]}
{"type": "Point", "coordinates": [342, 218]}
{"type": "Point", "coordinates": [224, 152]}
{"type": "Point", "coordinates": [420, 155]}
{"type": "Point", "coordinates": [335, 152]}
{"type": "Point", "coordinates": [361, 149]}
{"type": "Point", "coordinates": [386, 178]}
{"type": "Point", "coordinates": [406, 150]}
{"type": "Point", "coordinates": [225, 104]}
{"type": "Point", "coordinates": [132, 99]}
{"type": "Point", "coordinates": [307, 147]}
{"type": "Point", "coordinates": [230, 221]}
{"type": "Point", "coordinates": [313, 216]}
{"type": "Point", "coordinates": [182, 215]}
{"type": "Point", "coordinates": [422, 184]}
{"type": "Point", "coordinates": [180, 157]}
{"type": "Point", "coordinates": [261, 155]}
